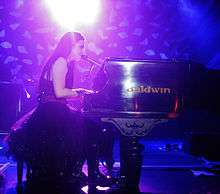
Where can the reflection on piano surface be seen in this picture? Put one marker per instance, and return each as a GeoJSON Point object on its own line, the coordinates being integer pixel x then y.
{"type": "Point", "coordinates": [139, 86]}
{"type": "Point", "coordinates": [133, 96]}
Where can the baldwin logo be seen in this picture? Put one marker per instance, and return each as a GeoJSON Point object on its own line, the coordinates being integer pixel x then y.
{"type": "Point", "coordinates": [150, 90]}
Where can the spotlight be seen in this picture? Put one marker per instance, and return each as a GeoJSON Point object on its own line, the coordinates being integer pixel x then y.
{"type": "Point", "coordinates": [73, 13]}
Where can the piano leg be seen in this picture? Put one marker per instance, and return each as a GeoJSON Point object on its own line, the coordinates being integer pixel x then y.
{"type": "Point", "coordinates": [92, 167]}
{"type": "Point", "coordinates": [131, 161]}
{"type": "Point", "coordinates": [93, 135]}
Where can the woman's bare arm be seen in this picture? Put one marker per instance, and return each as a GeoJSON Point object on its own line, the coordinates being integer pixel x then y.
{"type": "Point", "coordinates": [59, 71]}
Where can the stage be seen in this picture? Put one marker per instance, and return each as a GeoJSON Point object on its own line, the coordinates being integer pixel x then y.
{"type": "Point", "coordinates": [163, 171]}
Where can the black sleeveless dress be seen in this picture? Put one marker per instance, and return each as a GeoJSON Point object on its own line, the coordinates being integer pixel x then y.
{"type": "Point", "coordinates": [51, 140]}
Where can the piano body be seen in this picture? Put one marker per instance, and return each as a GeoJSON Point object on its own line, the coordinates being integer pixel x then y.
{"type": "Point", "coordinates": [133, 96]}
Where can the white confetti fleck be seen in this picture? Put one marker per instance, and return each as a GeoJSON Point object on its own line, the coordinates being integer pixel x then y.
{"type": "Point", "coordinates": [150, 52]}
{"type": "Point", "coordinates": [22, 49]}
{"type": "Point", "coordinates": [6, 44]}
{"type": "Point", "coordinates": [15, 14]}
{"type": "Point", "coordinates": [40, 47]}
{"type": "Point", "coordinates": [155, 35]}
{"type": "Point", "coordinates": [16, 69]}
{"type": "Point", "coordinates": [14, 26]}
{"type": "Point", "coordinates": [2, 33]}
{"type": "Point", "coordinates": [166, 44]}
{"type": "Point", "coordinates": [39, 58]}
{"type": "Point", "coordinates": [27, 61]}
{"type": "Point", "coordinates": [121, 4]}
{"type": "Point", "coordinates": [154, 24]}
{"type": "Point", "coordinates": [51, 47]}
{"type": "Point", "coordinates": [27, 34]}
{"type": "Point", "coordinates": [112, 45]}
{"type": "Point", "coordinates": [129, 48]}
{"type": "Point", "coordinates": [111, 28]}
{"type": "Point", "coordinates": [112, 15]}
{"type": "Point", "coordinates": [138, 18]}
{"type": "Point", "coordinates": [163, 56]}
{"type": "Point", "coordinates": [93, 48]}
{"type": "Point", "coordinates": [43, 30]}
{"type": "Point", "coordinates": [10, 59]}
{"type": "Point", "coordinates": [19, 4]}
{"type": "Point", "coordinates": [102, 36]}
{"type": "Point", "coordinates": [138, 31]}
{"type": "Point", "coordinates": [144, 42]}
{"type": "Point", "coordinates": [122, 35]}
{"type": "Point", "coordinates": [124, 23]}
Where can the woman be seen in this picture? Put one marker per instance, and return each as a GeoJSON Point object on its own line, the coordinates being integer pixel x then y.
{"type": "Point", "coordinates": [51, 140]}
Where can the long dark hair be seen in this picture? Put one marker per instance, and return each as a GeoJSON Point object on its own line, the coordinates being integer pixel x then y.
{"type": "Point", "coordinates": [63, 49]}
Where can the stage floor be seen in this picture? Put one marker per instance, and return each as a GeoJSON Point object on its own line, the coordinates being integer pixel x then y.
{"type": "Point", "coordinates": [178, 181]}
{"type": "Point", "coordinates": [171, 172]}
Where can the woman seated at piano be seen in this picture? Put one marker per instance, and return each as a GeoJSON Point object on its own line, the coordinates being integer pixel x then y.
{"type": "Point", "coordinates": [51, 137]}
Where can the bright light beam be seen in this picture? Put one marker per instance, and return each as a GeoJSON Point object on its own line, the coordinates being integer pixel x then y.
{"type": "Point", "coordinates": [74, 13]}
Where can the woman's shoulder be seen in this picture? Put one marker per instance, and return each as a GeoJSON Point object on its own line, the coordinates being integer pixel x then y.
{"type": "Point", "coordinates": [60, 63]}
{"type": "Point", "coordinates": [61, 60]}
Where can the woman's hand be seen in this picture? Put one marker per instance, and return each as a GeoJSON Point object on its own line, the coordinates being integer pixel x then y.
{"type": "Point", "coordinates": [82, 91]}
{"type": "Point", "coordinates": [76, 103]}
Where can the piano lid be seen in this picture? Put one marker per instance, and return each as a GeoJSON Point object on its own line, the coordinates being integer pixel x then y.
{"type": "Point", "coordinates": [140, 85]}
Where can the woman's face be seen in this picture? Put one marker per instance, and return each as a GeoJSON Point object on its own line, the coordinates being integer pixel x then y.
{"type": "Point", "coordinates": [77, 50]}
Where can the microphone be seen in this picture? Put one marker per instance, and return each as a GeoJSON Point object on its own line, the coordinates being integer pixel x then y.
{"type": "Point", "coordinates": [86, 58]}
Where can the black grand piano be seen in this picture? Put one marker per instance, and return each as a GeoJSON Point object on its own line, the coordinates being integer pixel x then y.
{"type": "Point", "coordinates": [133, 96]}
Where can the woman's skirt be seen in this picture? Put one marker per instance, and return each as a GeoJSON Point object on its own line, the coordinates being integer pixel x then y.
{"type": "Point", "coordinates": [51, 140]}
